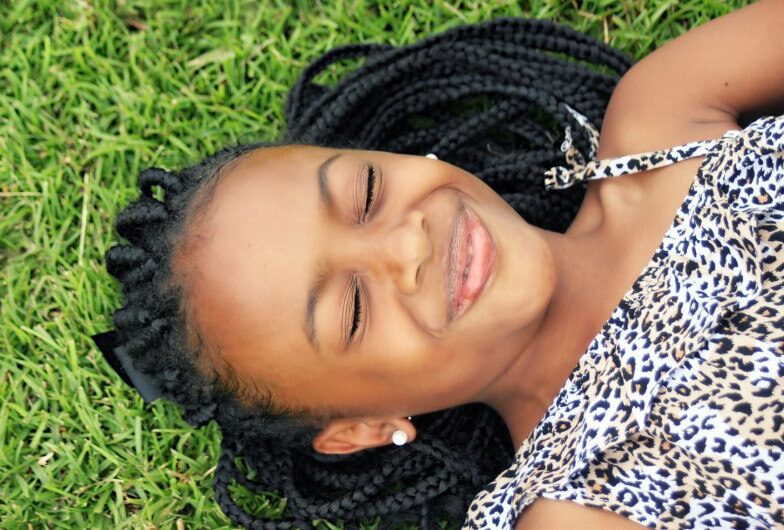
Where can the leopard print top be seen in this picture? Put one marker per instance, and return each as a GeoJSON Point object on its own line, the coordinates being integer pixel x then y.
{"type": "Point", "coordinates": [674, 415]}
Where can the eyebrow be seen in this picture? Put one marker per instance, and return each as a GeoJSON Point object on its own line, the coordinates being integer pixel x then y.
{"type": "Point", "coordinates": [320, 278]}
{"type": "Point", "coordinates": [321, 178]}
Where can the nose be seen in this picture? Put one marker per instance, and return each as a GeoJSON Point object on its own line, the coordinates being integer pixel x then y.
{"type": "Point", "coordinates": [405, 249]}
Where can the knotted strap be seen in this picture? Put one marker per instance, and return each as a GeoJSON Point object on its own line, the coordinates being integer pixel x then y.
{"type": "Point", "coordinates": [579, 170]}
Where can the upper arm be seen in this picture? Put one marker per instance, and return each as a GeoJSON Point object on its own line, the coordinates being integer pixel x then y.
{"type": "Point", "coordinates": [551, 514]}
{"type": "Point", "coordinates": [705, 81]}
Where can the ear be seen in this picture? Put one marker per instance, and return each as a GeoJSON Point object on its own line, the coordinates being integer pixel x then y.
{"type": "Point", "coordinates": [350, 435]}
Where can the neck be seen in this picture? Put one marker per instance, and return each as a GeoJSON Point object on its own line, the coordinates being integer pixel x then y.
{"type": "Point", "coordinates": [555, 343]}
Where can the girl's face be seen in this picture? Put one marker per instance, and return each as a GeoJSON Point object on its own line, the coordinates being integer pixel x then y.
{"type": "Point", "coordinates": [275, 233]}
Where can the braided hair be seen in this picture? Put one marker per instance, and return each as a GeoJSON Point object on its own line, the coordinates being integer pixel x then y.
{"type": "Point", "coordinates": [485, 97]}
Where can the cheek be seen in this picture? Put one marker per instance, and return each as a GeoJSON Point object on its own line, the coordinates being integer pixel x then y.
{"type": "Point", "coordinates": [416, 174]}
{"type": "Point", "coordinates": [411, 364]}
{"type": "Point", "coordinates": [398, 351]}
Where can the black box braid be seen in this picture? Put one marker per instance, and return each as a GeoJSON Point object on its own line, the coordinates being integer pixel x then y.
{"type": "Point", "coordinates": [485, 97]}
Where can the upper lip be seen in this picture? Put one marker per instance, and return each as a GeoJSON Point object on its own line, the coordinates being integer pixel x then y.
{"type": "Point", "coordinates": [447, 259]}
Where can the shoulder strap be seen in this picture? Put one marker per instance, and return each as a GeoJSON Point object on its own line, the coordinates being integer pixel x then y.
{"type": "Point", "coordinates": [559, 177]}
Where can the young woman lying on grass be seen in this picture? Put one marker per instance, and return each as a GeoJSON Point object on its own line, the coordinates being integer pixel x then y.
{"type": "Point", "coordinates": [502, 332]}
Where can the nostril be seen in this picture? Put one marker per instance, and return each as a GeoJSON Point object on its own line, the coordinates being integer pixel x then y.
{"type": "Point", "coordinates": [418, 273]}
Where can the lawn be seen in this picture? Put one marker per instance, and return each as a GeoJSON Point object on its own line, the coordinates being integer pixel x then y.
{"type": "Point", "coordinates": [92, 92]}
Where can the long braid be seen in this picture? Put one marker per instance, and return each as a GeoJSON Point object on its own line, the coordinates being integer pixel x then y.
{"type": "Point", "coordinates": [485, 97]}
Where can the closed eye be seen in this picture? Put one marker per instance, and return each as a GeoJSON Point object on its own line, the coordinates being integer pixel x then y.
{"type": "Point", "coordinates": [372, 200]}
{"type": "Point", "coordinates": [353, 301]}
{"type": "Point", "coordinates": [367, 197]}
{"type": "Point", "coordinates": [357, 310]}
{"type": "Point", "coordinates": [371, 182]}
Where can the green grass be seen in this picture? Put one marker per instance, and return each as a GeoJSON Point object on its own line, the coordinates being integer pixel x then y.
{"type": "Point", "coordinates": [91, 93]}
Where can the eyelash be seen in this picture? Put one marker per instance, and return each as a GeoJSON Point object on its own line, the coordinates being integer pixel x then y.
{"type": "Point", "coordinates": [358, 314]}
{"type": "Point", "coordinates": [370, 194]}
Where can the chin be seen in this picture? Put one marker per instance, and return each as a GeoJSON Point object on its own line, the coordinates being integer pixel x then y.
{"type": "Point", "coordinates": [526, 276]}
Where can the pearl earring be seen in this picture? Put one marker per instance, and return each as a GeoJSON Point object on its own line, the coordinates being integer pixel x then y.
{"type": "Point", "coordinates": [431, 155]}
{"type": "Point", "coordinates": [399, 437]}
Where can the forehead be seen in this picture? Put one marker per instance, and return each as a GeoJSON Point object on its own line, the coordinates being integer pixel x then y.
{"type": "Point", "coordinates": [248, 273]}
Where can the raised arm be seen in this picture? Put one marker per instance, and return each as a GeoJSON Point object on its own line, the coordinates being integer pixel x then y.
{"type": "Point", "coordinates": [712, 78]}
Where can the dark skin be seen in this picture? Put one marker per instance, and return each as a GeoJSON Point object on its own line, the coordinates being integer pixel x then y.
{"type": "Point", "coordinates": [260, 242]}
{"type": "Point", "coordinates": [515, 347]}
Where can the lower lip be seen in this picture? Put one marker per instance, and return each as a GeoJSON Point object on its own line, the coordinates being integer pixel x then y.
{"type": "Point", "coordinates": [480, 267]}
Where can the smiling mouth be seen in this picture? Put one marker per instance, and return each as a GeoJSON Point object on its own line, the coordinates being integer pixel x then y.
{"type": "Point", "coordinates": [470, 261]}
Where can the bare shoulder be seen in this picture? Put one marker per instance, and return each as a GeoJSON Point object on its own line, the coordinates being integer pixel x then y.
{"type": "Point", "coordinates": [550, 514]}
{"type": "Point", "coordinates": [626, 130]}
{"type": "Point", "coordinates": [644, 198]}
{"type": "Point", "coordinates": [707, 77]}
{"type": "Point", "coordinates": [623, 137]}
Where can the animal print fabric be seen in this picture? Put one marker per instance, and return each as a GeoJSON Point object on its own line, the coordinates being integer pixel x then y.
{"type": "Point", "coordinates": [674, 415]}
